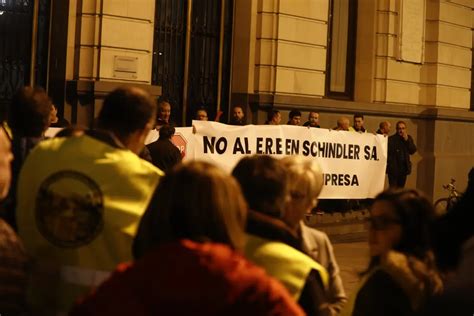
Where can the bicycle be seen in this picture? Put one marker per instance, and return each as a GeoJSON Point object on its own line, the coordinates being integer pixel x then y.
{"type": "Point", "coordinates": [444, 205]}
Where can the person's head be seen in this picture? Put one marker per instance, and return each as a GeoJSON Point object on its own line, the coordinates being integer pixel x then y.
{"type": "Point", "coordinates": [238, 113]}
{"type": "Point", "coordinates": [385, 127]}
{"type": "Point", "coordinates": [6, 157]}
{"type": "Point", "coordinates": [358, 121]}
{"type": "Point", "coordinates": [343, 123]}
{"type": "Point", "coordinates": [401, 128]}
{"type": "Point", "coordinates": [273, 117]}
{"type": "Point", "coordinates": [166, 131]}
{"type": "Point", "coordinates": [201, 114]}
{"type": "Point", "coordinates": [128, 113]}
{"type": "Point", "coordinates": [400, 220]}
{"type": "Point", "coordinates": [313, 119]}
{"type": "Point", "coordinates": [164, 110]}
{"type": "Point", "coordinates": [71, 131]}
{"type": "Point", "coordinates": [263, 183]}
{"type": "Point", "coordinates": [200, 202]}
{"type": "Point", "coordinates": [29, 114]}
{"type": "Point", "coordinates": [295, 117]}
{"type": "Point", "coordinates": [305, 182]}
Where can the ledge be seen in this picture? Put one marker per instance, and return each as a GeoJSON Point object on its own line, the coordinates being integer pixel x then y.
{"type": "Point", "coordinates": [288, 102]}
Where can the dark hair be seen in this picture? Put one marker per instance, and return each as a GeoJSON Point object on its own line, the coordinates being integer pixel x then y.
{"type": "Point", "coordinates": [271, 114]}
{"type": "Point", "coordinates": [400, 122]}
{"type": "Point", "coordinates": [358, 115]}
{"type": "Point", "coordinates": [416, 214]}
{"type": "Point", "coordinates": [166, 131]}
{"type": "Point", "coordinates": [29, 112]}
{"type": "Point", "coordinates": [126, 110]}
{"type": "Point", "coordinates": [162, 99]}
{"type": "Point", "coordinates": [263, 182]}
{"type": "Point", "coordinates": [196, 201]}
{"type": "Point", "coordinates": [294, 113]}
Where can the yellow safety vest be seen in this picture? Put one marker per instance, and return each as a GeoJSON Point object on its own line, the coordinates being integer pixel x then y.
{"type": "Point", "coordinates": [286, 264]}
{"type": "Point", "coordinates": [80, 201]}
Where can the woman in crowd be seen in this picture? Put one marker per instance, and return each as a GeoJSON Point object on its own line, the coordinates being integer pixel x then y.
{"type": "Point", "coordinates": [305, 181]}
{"type": "Point", "coordinates": [180, 269]}
{"type": "Point", "coordinates": [401, 273]}
{"type": "Point", "coordinates": [271, 243]}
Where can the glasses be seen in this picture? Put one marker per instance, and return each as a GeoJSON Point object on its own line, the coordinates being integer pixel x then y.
{"type": "Point", "coordinates": [381, 222]}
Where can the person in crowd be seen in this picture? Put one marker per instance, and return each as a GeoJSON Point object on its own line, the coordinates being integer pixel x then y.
{"type": "Point", "coordinates": [384, 128]}
{"type": "Point", "coordinates": [305, 181]}
{"type": "Point", "coordinates": [454, 249]}
{"type": "Point", "coordinates": [55, 121]}
{"type": "Point", "coordinates": [81, 198]}
{"type": "Point", "coordinates": [28, 118]}
{"type": "Point", "coordinates": [295, 118]}
{"type": "Point", "coordinates": [400, 147]}
{"type": "Point", "coordinates": [313, 120]}
{"type": "Point", "coordinates": [201, 114]}
{"type": "Point", "coordinates": [401, 274]}
{"type": "Point", "coordinates": [237, 116]}
{"type": "Point", "coordinates": [164, 112]}
{"type": "Point", "coordinates": [271, 243]}
{"type": "Point", "coordinates": [14, 261]}
{"type": "Point", "coordinates": [359, 123]}
{"type": "Point", "coordinates": [273, 117]}
{"type": "Point", "coordinates": [343, 124]}
{"type": "Point", "coordinates": [164, 154]}
{"type": "Point", "coordinates": [186, 260]}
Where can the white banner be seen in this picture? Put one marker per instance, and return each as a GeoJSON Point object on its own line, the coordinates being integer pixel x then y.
{"type": "Point", "coordinates": [353, 163]}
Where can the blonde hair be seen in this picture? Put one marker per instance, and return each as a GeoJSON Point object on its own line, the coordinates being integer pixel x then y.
{"type": "Point", "coordinates": [305, 178]}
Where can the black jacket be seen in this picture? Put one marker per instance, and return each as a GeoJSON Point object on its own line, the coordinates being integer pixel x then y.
{"type": "Point", "coordinates": [164, 154]}
{"type": "Point", "coordinates": [399, 151]}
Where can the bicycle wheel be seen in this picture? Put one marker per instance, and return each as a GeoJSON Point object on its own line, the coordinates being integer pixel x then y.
{"type": "Point", "coordinates": [441, 206]}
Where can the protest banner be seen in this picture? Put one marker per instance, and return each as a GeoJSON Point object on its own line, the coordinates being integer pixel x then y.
{"type": "Point", "coordinates": [353, 163]}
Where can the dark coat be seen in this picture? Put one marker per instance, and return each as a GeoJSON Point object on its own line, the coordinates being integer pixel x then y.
{"type": "Point", "coordinates": [399, 285]}
{"type": "Point", "coordinates": [164, 154]}
{"type": "Point", "coordinates": [399, 151]}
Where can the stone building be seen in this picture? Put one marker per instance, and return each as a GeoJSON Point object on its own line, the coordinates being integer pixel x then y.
{"type": "Point", "coordinates": [392, 60]}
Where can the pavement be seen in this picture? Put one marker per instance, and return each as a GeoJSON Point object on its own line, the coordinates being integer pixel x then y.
{"type": "Point", "coordinates": [349, 235]}
{"type": "Point", "coordinates": [341, 227]}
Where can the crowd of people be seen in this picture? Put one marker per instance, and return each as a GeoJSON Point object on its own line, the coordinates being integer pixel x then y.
{"type": "Point", "coordinates": [92, 226]}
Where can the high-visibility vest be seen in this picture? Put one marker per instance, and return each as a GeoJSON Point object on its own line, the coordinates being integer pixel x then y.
{"type": "Point", "coordinates": [286, 264]}
{"type": "Point", "coordinates": [80, 201]}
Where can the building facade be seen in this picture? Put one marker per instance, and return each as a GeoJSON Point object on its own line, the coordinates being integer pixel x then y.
{"type": "Point", "coordinates": [391, 60]}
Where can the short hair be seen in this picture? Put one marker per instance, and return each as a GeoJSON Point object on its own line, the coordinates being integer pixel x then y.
{"type": "Point", "coordinates": [238, 106]}
{"type": "Point", "coordinates": [166, 131]}
{"type": "Point", "coordinates": [29, 112]}
{"type": "Point", "coordinates": [383, 124]}
{"type": "Point", "coordinates": [126, 110]}
{"type": "Point", "coordinates": [305, 178]}
{"type": "Point", "coordinates": [263, 182]}
{"type": "Point", "coordinates": [162, 99]}
{"type": "Point", "coordinates": [209, 207]}
{"type": "Point", "coordinates": [400, 122]}
{"type": "Point", "coordinates": [358, 115]}
{"type": "Point", "coordinates": [294, 113]}
{"type": "Point", "coordinates": [271, 114]}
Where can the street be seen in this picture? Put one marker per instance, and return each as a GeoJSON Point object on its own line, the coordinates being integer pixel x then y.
{"type": "Point", "coordinates": [352, 258]}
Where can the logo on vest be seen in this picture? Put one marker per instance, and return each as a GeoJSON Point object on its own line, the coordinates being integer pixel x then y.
{"type": "Point", "coordinates": [69, 209]}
